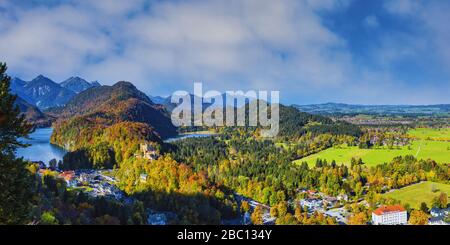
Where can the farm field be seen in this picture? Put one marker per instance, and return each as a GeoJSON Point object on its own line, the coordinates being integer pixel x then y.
{"type": "Point", "coordinates": [414, 195]}
{"type": "Point", "coordinates": [422, 149]}
{"type": "Point", "coordinates": [430, 134]}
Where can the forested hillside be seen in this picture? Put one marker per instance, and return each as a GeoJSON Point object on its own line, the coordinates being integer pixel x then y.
{"type": "Point", "coordinates": [32, 114]}
{"type": "Point", "coordinates": [294, 123]}
{"type": "Point", "coordinates": [109, 118]}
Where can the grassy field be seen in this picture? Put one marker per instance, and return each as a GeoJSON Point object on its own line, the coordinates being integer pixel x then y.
{"type": "Point", "coordinates": [422, 149]}
{"type": "Point", "coordinates": [418, 193]}
{"type": "Point", "coordinates": [430, 134]}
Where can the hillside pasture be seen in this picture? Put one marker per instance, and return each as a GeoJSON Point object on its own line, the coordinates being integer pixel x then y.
{"type": "Point", "coordinates": [414, 195]}
{"type": "Point", "coordinates": [441, 134]}
{"type": "Point", "coordinates": [422, 149]}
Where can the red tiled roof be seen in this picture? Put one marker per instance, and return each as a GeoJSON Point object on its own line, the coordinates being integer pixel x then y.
{"type": "Point", "coordinates": [388, 209]}
{"type": "Point", "coordinates": [67, 175]}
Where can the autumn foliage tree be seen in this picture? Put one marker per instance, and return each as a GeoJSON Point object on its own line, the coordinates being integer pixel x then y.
{"type": "Point", "coordinates": [257, 216]}
{"type": "Point", "coordinates": [173, 186]}
{"type": "Point", "coordinates": [245, 207]}
{"type": "Point", "coordinates": [418, 217]}
{"type": "Point", "coordinates": [359, 218]}
{"type": "Point", "coordinates": [443, 200]}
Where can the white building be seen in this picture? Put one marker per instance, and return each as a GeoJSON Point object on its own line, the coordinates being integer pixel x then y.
{"type": "Point", "coordinates": [311, 203]}
{"type": "Point", "coordinates": [389, 215]}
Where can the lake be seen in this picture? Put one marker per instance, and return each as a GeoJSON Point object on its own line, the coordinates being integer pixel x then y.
{"type": "Point", "coordinates": [189, 135]}
{"type": "Point", "coordinates": [41, 149]}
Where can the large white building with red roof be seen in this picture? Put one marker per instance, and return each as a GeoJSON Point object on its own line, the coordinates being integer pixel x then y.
{"type": "Point", "coordinates": [390, 215]}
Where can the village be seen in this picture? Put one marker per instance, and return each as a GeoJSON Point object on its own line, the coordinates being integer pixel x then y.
{"type": "Point", "coordinates": [314, 201]}
{"type": "Point", "coordinates": [96, 183]}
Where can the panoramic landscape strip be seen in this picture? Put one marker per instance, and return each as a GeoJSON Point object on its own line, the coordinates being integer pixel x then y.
{"type": "Point", "coordinates": [255, 120]}
{"type": "Point", "coordinates": [113, 146]}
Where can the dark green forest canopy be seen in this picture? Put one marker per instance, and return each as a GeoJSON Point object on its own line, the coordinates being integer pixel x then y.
{"type": "Point", "coordinates": [294, 123]}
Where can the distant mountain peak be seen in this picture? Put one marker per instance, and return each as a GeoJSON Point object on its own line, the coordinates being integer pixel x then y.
{"type": "Point", "coordinates": [160, 99]}
{"type": "Point", "coordinates": [95, 83]}
{"type": "Point", "coordinates": [124, 84]}
{"type": "Point", "coordinates": [77, 84]}
{"type": "Point", "coordinates": [76, 79]}
{"type": "Point", "coordinates": [40, 77]}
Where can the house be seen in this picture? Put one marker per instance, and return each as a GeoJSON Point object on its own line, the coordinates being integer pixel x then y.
{"type": "Point", "coordinates": [437, 221]}
{"type": "Point", "coordinates": [390, 215]}
{"type": "Point", "coordinates": [438, 212]}
{"type": "Point", "coordinates": [342, 197]}
{"type": "Point", "coordinates": [69, 177]}
{"type": "Point", "coordinates": [143, 177]}
{"type": "Point", "coordinates": [311, 192]}
{"type": "Point", "coordinates": [268, 219]}
{"type": "Point", "coordinates": [330, 199]}
{"type": "Point", "coordinates": [85, 177]}
{"type": "Point", "coordinates": [148, 151]}
{"type": "Point", "coordinates": [311, 203]}
{"type": "Point", "coordinates": [160, 218]}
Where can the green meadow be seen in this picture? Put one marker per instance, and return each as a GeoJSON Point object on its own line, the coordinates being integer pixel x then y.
{"type": "Point", "coordinates": [414, 195]}
{"type": "Point", "coordinates": [425, 148]}
{"type": "Point", "coordinates": [430, 134]}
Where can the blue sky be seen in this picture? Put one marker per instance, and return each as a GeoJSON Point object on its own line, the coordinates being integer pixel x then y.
{"type": "Point", "coordinates": [312, 51]}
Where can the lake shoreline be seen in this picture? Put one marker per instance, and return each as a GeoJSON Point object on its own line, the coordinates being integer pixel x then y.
{"type": "Point", "coordinates": [40, 148]}
{"type": "Point", "coordinates": [195, 134]}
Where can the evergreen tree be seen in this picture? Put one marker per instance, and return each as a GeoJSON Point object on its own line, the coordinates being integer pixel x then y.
{"type": "Point", "coordinates": [15, 189]}
{"type": "Point", "coordinates": [423, 207]}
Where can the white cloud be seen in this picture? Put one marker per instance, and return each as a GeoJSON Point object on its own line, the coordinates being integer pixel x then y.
{"type": "Point", "coordinates": [232, 44]}
{"type": "Point", "coordinates": [371, 21]}
{"type": "Point", "coordinates": [402, 6]}
{"type": "Point", "coordinates": [213, 41]}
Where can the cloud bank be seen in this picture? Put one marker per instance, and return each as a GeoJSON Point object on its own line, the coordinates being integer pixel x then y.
{"type": "Point", "coordinates": [163, 46]}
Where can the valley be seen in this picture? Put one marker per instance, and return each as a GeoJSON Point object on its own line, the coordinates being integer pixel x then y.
{"type": "Point", "coordinates": [266, 121]}
{"type": "Point", "coordinates": [320, 169]}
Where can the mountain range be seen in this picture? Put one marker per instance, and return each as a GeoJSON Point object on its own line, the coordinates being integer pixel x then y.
{"type": "Point", "coordinates": [44, 93]}
{"type": "Point", "coordinates": [169, 106]}
{"type": "Point", "coordinates": [167, 103]}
